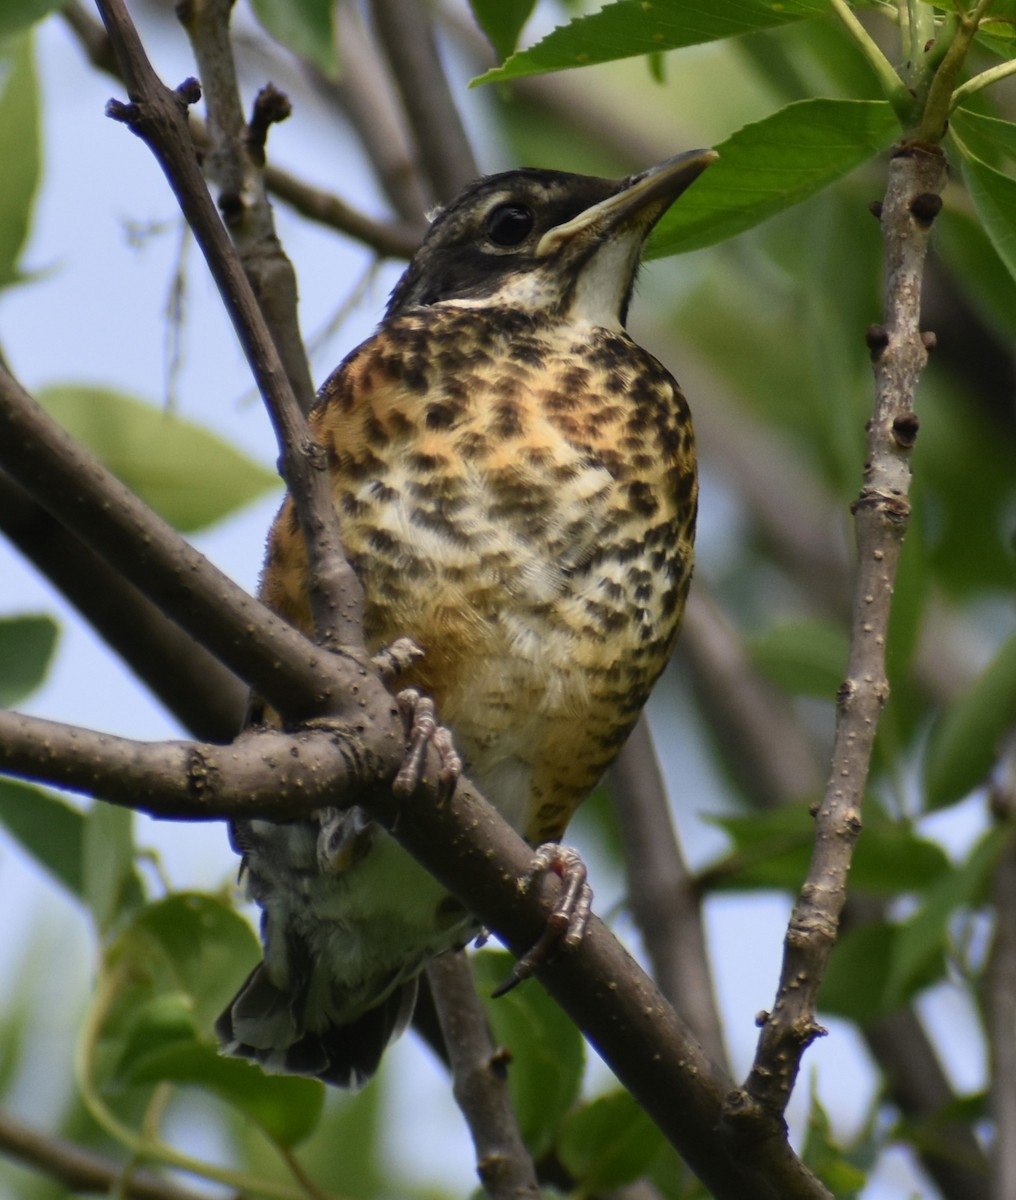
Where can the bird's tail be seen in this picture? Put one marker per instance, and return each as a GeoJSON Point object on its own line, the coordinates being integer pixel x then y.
{"type": "Point", "coordinates": [263, 1023]}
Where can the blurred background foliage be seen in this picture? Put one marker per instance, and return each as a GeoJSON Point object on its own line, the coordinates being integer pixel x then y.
{"type": "Point", "coordinates": [766, 331]}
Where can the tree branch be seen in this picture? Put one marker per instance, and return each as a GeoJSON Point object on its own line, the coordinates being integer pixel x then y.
{"type": "Point", "coordinates": [480, 1082]}
{"type": "Point", "coordinates": [916, 178]}
{"type": "Point", "coordinates": [291, 673]}
{"type": "Point", "coordinates": [367, 96]}
{"type": "Point", "coordinates": [920, 1089]}
{"type": "Point", "coordinates": [263, 773]}
{"type": "Point", "coordinates": [407, 35]}
{"type": "Point", "coordinates": [661, 890]}
{"type": "Point", "coordinates": [735, 1148]}
{"type": "Point", "coordinates": [159, 116]}
{"type": "Point", "coordinates": [761, 738]}
{"type": "Point", "coordinates": [203, 695]}
{"type": "Point", "coordinates": [82, 1171]}
{"type": "Point", "coordinates": [236, 164]}
{"type": "Point", "coordinates": [389, 239]}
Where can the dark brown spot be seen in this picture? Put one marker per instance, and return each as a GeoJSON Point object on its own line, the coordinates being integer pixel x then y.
{"type": "Point", "coordinates": [925, 208]}
{"type": "Point", "coordinates": [876, 338]}
{"type": "Point", "coordinates": [905, 430]}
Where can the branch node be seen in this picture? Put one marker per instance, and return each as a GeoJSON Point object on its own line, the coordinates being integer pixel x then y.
{"type": "Point", "coordinates": [189, 91]}
{"type": "Point", "coordinates": [231, 206]}
{"type": "Point", "coordinates": [127, 114]}
{"type": "Point", "coordinates": [929, 339]}
{"type": "Point", "coordinates": [875, 208]}
{"type": "Point", "coordinates": [270, 107]}
{"type": "Point", "coordinates": [904, 430]}
{"type": "Point", "coordinates": [925, 207]}
{"type": "Point", "coordinates": [876, 338]}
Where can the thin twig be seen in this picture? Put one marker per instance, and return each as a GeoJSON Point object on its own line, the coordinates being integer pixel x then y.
{"type": "Point", "coordinates": [407, 35]}
{"type": "Point", "coordinates": [777, 765]}
{"type": "Point", "coordinates": [480, 1084]}
{"type": "Point", "coordinates": [82, 1171]}
{"type": "Point", "coordinates": [236, 164]}
{"type": "Point", "coordinates": [661, 890]}
{"type": "Point", "coordinates": [916, 179]}
{"type": "Point", "coordinates": [389, 239]}
{"type": "Point", "coordinates": [159, 116]}
{"type": "Point", "coordinates": [367, 96]}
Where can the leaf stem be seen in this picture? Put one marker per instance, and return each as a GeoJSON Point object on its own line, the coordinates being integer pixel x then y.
{"type": "Point", "coordinates": [941, 92]}
{"type": "Point", "coordinates": [895, 90]}
{"type": "Point", "coordinates": [983, 80]}
{"type": "Point", "coordinates": [140, 1147]}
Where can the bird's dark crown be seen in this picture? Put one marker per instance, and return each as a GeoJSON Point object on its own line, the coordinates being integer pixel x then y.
{"type": "Point", "coordinates": [489, 234]}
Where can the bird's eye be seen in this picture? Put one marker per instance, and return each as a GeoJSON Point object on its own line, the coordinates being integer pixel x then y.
{"type": "Point", "coordinates": [509, 224]}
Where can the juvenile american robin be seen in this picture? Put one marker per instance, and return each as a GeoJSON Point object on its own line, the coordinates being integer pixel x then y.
{"type": "Point", "coordinates": [516, 488]}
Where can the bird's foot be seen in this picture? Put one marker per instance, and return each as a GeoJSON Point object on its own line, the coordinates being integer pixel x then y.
{"type": "Point", "coordinates": [424, 731]}
{"type": "Point", "coordinates": [392, 661]}
{"type": "Point", "coordinates": [566, 925]}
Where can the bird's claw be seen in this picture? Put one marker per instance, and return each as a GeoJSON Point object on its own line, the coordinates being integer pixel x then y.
{"type": "Point", "coordinates": [566, 925]}
{"type": "Point", "coordinates": [392, 661]}
{"type": "Point", "coordinates": [424, 731]}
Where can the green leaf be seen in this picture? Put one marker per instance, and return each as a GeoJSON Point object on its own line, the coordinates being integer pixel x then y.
{"type": "Point", "coordinates": [26, 648]}
{"type": "Point", "coordinates": [631, 27]}
{"type": "Point", "coordinates": [111, 885]}
{"type": "Point", "coordinates": [20, 149]}
{"type": "Point", "coordinates": [546, 1048]}
{"type": "Point", "coordinates": [48, 828]}
{"type": "Point", "coordinates": [994, 197]}
{"type": "Point", "coordinates": [608, 1143]}
{"type": "Point", "coordinates": [977, 270]}
{"type": "Point", "coordinates": [857, 981]}
{"type": "Point", "coordinates": [350, 1142]}
{"type": "Point", "coordinates": [964, 744]}
{"type": "Point", "coordinates": [823, 1155]}
{"type": "Point", "coordinates": [502, 21]}
{"type": "Point", "coordinates": [988, 138]}
{"type": "Point", "coordinates": [806, 658]}
{"type": "Point", "coordinates": [925, 936]}
{"type": "Point", "coordinates": [209, 947]}
{"type": "Point", "coordinates": [773, 850]}
{"type": "Point", "coordinates": [771, 165]}
{"type": "Point", "coordinates": [189, 476]}
{"type": "Point", "coordinates": [16, 15]}
{"type": "Point", "coordinates": [304, 26]}
{"type": "Point", "coordinates": [287, 1108]}
{"type": "Point", "coordinates": [184, 957]}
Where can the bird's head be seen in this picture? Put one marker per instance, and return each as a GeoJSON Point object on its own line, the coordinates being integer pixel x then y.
{"type": "Point", "coordinates": [545, 241]}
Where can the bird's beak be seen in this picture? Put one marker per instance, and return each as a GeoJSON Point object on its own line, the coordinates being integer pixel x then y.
{"type": "Point", "coordinates": [640, 199]}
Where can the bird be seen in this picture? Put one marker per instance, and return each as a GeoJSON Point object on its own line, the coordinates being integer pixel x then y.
{"type": "Point", "coordinates": [515, 483]}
